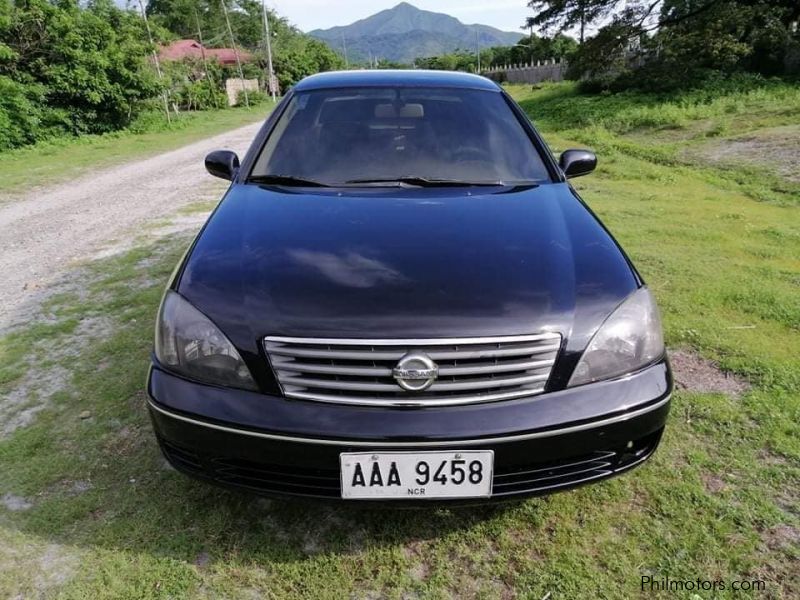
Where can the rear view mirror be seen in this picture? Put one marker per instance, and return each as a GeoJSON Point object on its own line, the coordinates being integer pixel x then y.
{"type": "Point", "coordinates": [223, 164]}
{"type": "Point", "coordinates": [575, 163]}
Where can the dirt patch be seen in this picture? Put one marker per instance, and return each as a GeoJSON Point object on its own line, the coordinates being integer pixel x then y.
{"type": "Point", "coordinates": [15, 503]}
{"type": "Point", "coordinates": [55, 568]}
{"type": "Point", "coordinates": [696, 374]}
{"type": "Point", "coordinates": [30, 396]}
{"type": "Point", "coordinates": [771, 458]}
{"type": "Point", "coordinates": [776, 148]}
{"type": "Point", "coordinates": [418, 571]}
{"type": "Point", "coordinates": [782, 537]}
{"type": "Point", "coordinates": [40, 569]}
{"type": "Point", "coordinates": [35, 390]}
{"type": "Point", "coordinates": [202, 560]}
{"type": "Point", "coordinates": [713, 484]}
{"type": "Point", "coordinates": [176, 225]}
{"type": "Point", "coordinates": [789, 502]}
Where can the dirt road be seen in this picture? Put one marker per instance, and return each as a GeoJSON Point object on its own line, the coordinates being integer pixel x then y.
{"type": "Point", "coordinates": [45, 233]}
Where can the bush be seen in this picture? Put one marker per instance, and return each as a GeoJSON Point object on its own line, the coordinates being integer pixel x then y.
{"type": "Point", "coordinates": [68, 69]}
{"type": "Point", "coordinates": [254, 98]}
{"type": "Point", "coordinates": [21, 115]}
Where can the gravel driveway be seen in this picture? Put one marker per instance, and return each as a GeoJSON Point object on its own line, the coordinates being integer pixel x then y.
{"type": "Point", "coordinates": [45, 233]}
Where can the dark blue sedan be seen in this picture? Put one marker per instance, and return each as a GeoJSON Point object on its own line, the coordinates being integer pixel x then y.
{"type": "Point", "coordinates": [402, 298]}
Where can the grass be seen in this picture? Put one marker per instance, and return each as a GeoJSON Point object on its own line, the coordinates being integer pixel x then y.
{"type": "Point", "coordinates": [64, 158]}
{"type": "Point", "coordinates": [719, 501]}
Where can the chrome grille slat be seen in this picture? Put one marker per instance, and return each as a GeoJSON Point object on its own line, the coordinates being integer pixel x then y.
{"type": "Point", "coordinates": [409, 400]}
{"type": "Point", "coordinates": [359, 386]}
{"type": "Point", "coordinates": [397, 354]}
{"type": "Point", "coordinates": [495, 367]}
{"type": "Point", "coordinates": [359, 371]}
{"type": "Point", "coordinates": [416, 342]}
{"type": "Point", "coordinates": [367, 371]}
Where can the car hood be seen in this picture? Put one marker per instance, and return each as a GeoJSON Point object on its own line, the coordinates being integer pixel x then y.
{"type": "Point", "coordinates": [404, 263]}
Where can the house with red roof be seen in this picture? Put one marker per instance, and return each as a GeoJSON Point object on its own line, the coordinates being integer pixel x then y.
{"type": "Point", "coordinates": [183, 49]}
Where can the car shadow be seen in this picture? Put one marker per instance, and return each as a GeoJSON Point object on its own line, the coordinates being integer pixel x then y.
{"type": "Point", "coordinates": [144, 506]}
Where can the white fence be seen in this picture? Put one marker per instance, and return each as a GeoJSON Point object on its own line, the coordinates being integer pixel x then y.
{"type": "Point", "coordinates": [548, 70]}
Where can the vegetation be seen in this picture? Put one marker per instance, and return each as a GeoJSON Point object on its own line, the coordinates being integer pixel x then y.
{"type": "Point", "coordinates": [657, 46]}
{"type": "Point", "coordinates": [70, 68]}
{"type": "Point", "coordinates": [66, 69]}
{"type": "Point", "coordinates": [295, 55]}
{"type": "Point", "coordinates": [531, 49]}
{"type": "Point", "coordinates": [96, 513]}
{"type": "Point", "coordinates": [670, 44]}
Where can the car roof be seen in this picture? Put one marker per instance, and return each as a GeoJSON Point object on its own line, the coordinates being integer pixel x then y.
{"type": "Point", "coordinates": [410, 78]}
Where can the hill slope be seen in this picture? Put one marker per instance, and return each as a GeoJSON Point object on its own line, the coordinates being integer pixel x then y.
{"type": "Point", "coordinates": [405, 32]}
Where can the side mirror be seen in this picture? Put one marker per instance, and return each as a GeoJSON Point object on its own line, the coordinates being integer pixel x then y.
{"type": "Point", "coordinates": [575, 163]}
{"type": "Point", "coordinates": [223, 164]}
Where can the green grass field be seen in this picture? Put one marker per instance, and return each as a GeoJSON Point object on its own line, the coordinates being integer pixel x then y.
{"type": "Point", "coordinates": [63, 158]}
{"type": "Point", "coordinates": [88, 507]}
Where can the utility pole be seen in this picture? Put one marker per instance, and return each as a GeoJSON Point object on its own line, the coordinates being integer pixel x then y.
{"type": "Point", "coordinates": [531, 45]}
{"type": "Point", "coordinates": [235, 53]}
{"type": "Point", "coordinates": [272, 82]}
{"type": "Point", "coordinates": [478, 50]}
{"type": "Point", "coordinates": [203, 54]}
{"type": "Point", "coordinates": [155, 60]}
{"type": "Point", "coordinates": [344, 45]}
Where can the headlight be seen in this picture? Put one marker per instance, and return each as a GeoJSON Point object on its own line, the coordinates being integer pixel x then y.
{"type": "Point", "coordinates": [190, 344]}
{"type": "Point", "coordinates": [629, 339]}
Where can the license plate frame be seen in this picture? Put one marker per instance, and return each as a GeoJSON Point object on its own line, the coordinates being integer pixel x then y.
{"type": "Point", "coordinates": [440, 464]}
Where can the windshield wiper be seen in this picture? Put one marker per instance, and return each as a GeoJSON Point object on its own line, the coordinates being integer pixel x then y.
{"type": "Point", "coordinates": [288, 180]}
{"type": "Point", "coordinates": [427, 182]}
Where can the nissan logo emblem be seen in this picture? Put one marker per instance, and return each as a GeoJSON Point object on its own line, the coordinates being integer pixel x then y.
{"type": "Point", "coordinates": [415, 372]}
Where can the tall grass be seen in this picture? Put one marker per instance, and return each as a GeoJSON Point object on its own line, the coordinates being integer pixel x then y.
{"type": "Point", "coordinates": [560, 106]}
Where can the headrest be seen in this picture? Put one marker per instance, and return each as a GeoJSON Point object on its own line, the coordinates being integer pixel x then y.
{"type": "Point", "coordinates": [385, 111]}
{"type": "Point", "coordinates": [412, 111]}
{"type": "Point", "coordinates": [407, 111]}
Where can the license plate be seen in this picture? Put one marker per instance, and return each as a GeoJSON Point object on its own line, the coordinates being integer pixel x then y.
{"type": "Point", "coordinates": [417, 475]}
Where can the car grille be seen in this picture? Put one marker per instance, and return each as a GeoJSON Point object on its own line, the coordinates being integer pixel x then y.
{"type": "Point", "coordinates": [356, 371]}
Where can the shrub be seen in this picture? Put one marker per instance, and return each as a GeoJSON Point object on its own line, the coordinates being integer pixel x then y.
{"type": "Point", "coordinates": [21, 115]}
{"type": "Point", "coordinates": [74, 70]}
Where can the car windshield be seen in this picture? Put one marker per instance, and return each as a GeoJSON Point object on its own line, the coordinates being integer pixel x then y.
{"type": "Point", "coordinates": [413, 135]}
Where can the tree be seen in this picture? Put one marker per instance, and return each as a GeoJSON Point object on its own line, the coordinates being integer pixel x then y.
{"type": "Point", "coordinates": [86, 69]}
{"type": "Point", "coordinates": [753, 35]}
{"type": "Point", "coordinates": [664, 44]}
{"type": "Point", "coordinates": [567, 14]}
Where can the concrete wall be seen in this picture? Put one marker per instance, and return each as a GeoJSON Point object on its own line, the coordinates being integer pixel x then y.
{"type": "Point", "coordinates": [234, 85]}
{"type": "Point", "coordinates": [542, 71]}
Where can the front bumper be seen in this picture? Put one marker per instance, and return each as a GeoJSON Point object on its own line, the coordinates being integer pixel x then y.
{"type": "Point", "coordinates": [275, 446]}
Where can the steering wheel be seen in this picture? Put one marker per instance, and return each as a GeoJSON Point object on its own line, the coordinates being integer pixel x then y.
{"type": "Point", "coordinates": [467, 153]}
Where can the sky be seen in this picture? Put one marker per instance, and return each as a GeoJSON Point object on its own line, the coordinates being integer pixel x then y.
{"type": "Point", "coordinates": [508, 15]}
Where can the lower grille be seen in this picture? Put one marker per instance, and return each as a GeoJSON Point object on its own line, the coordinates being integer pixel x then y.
{"type": "Point", "coordinates": [509, 480]}
{"type": "Point", "coordinates": [181, 458]}
{"type": "Point", "coordinates": [572, 472]}
{"type": "Point", "coordinates": [356, 371]}
{"type": "Point", "coordinates": [277, 478]}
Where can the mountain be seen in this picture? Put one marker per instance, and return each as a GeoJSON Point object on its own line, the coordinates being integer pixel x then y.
{"type": "Point", "coordinates": [405, 32]}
